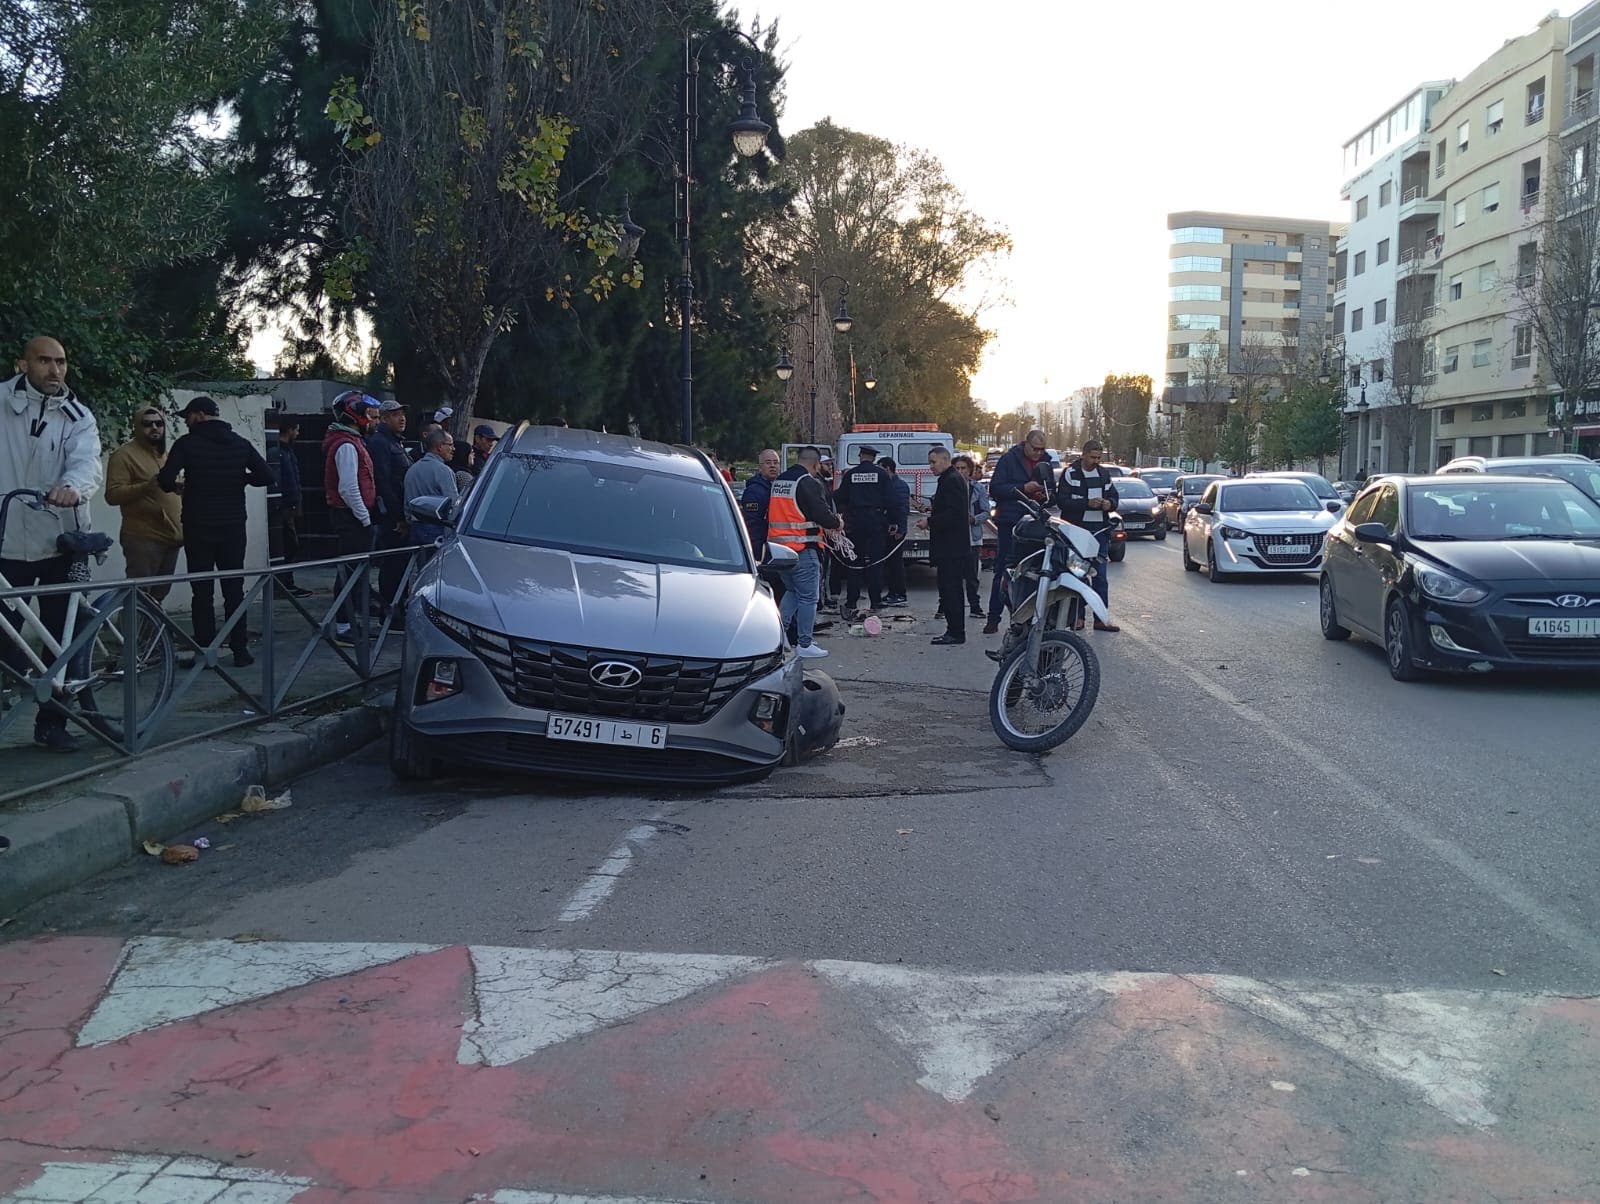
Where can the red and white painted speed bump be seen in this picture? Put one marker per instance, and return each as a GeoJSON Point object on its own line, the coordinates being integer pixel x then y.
{"type": "Point", "coordinates": [264, 1073]}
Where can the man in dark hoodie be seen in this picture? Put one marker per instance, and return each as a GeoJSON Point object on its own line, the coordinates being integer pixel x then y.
{"type": "Point", "coordinates": [216, 465]}
{"type": "Point", "coordinates": [1024, 471]}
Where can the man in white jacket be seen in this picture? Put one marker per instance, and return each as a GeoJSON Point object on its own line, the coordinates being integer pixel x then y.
{"type": "Point", "coordinates": [49, 442]}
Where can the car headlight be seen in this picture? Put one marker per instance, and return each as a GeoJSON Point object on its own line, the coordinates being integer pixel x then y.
{"type": "Point", "coordinates": [1234, 533]}
{"type": "Point", "coordinates": [1447, 587]}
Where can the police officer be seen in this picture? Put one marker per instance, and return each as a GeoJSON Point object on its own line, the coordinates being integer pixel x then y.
{"type": "Point", "coordinates": [865, 496]}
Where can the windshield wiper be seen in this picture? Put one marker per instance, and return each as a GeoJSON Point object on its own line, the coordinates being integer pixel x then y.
{"type": "Point", "coordinates": [1540, 535]}
{"type": "Point", "coordinates": [1440, 538]}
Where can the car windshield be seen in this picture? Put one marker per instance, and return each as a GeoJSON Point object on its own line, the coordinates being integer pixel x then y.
{"type": "Point", "coordinates": [1132, 487]}
{"type": "Point", "coordinates": [1585, 476]}
{"type": "Point", "coordinates": [1508, 510]}
{"type": "Point", "coordinates": [1317, 485]}
{"type": "Point", "coordinates": [1159, 478]}
{"type": "Point", "coordinates": [1197, 484]}
{"type": "Point", "coordinates": [1265, 497]}
{"type": "Point", "coordinates": [616, 510]}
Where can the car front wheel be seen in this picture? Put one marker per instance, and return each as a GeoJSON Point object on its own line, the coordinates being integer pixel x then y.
{"type": "Point", "coordinates": [1190, 565]}
{"type": "Point", "coordinates": [1212, 571]}
{"type": "Point", "coordinates": [1397, 643]}
{"type": "Point", "coordinates": [409, 759]}
{"type": "Point", "coordinates": [1331, 630]}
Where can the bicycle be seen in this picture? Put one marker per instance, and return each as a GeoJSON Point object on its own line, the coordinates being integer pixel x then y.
{"type": "Point", "coordinates": [92, 685]}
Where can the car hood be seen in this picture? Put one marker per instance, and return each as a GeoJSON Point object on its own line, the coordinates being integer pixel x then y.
{"type": "Point", "coordinates": [1518, 560]}
{"type": "Point", "coordinates": [621, 605]}
{"type": "Point", "coordinates": [1278, 520]}
{"type": "Point", "coordinates": [1140, 505]}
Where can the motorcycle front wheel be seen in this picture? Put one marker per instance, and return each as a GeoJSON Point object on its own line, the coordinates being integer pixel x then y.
{"type": "Point", "coordinates": [1036, 706]}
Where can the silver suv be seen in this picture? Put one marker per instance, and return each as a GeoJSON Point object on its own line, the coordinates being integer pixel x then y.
{"type": "Point", "coordinates": [1570, 467]}
{"type": "Point", "coordinates": [596, 613]}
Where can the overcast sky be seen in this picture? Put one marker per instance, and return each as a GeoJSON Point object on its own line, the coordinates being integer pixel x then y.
{"type": "Point", "coordinates": [1079, 127]}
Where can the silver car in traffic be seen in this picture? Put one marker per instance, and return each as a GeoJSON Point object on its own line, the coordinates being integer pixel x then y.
{"type": "Point", "coordinates": [596, 613]}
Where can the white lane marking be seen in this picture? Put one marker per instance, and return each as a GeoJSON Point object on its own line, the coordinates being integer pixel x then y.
{"type": "Point", "coordinates": [960, 1027]}
{"type": "Point", "coordinates": [142, 1177]}
{"type": "Point", "coordinates": [597, 887]}
{"type": "Point", "coordinates": [1447, 1045]}
{"type": "Point", "coordinates": [528, 999]}
{"type": "Point", "coordinates": [161, 979]}
{"type": "Point", "coordinates": [1488, 879]}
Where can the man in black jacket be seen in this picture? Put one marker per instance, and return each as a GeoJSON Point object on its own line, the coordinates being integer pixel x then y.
{"type": "Point", "coordinates": [216, 465]}
{"type": "Point", "coordinates": [1024, 471]}
{"type": "Point", "coordinates": [949, 527]}
{"type": "Point", "coordinates": [390, 463]}
{"type": "Point", "coordinates": [1087, 494]}
{"type": "Point", "coordinates": [864, 498]}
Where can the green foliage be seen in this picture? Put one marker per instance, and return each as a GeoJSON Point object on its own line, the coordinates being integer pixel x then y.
{"type": "Point", "coordinates": [1234, 444]}
{"type": "Point", "coordinates": [117, 210]}
{"type": "Point", "coordinates": [1125, 406]}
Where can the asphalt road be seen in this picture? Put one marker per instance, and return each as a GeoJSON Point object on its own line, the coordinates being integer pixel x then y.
{"type": "Point", "coordinates": [1247, 799]}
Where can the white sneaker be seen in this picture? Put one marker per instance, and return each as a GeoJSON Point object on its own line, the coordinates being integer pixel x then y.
{"type": "Point", "coordinates": [811, 652]}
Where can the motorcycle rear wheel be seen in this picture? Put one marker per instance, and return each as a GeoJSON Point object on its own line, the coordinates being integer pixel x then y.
{"type": "Point", "coordinates": [1060, 687]}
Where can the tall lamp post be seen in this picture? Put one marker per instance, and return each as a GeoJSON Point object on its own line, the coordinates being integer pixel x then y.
{"type": "Point", "coordinates": [749, 134]}
{"type": "Point", "coordinates": [842, 322]}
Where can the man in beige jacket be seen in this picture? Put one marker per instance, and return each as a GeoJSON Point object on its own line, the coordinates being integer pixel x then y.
{"type": "Point", "coordinates": [152, 527]}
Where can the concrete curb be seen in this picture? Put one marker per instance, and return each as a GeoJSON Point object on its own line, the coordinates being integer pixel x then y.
{"type": "Point", "coordinates": [67, 837]}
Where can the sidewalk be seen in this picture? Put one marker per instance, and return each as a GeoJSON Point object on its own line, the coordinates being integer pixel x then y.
{"type": "Point", "coordinates": [65, 832]}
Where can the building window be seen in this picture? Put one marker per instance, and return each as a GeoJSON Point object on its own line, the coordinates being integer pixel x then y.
{"type": "Point", "coordinates": [1536, 101]}
{"type": "Point", "coordinates": [1355, 376]}
{"type": "Point", "coordinates": [1447, 416]}
{"type": "Point", "coordinates": [1196, 322]}
{"type": "Point", "coordinates": [1527, 259]}
{"type": "Point", "coordinates": [1452, 361]}
{"type": "Point", "coordinates": [1385, 193]}
{"type": "Point", "coordinates": [1315, 244]}
{"type": "Point", "coordinates": [1463, 137]}
{"type": "Point", "coordinates": [1361, 263]}
{"type": "Point", "coordinates": [1440, 155]}
{"type": "Point", "coordinates": [1195, 292]}
{"type": "Point", "coordinates": [1375, 371]}
{"type": "Point", "coordinates": [1195, 263]}
{"type": "Point", "coordinates": [1177, 380]}
{"type": "Point", "coordinates": [1530, 181]}
{"type": "Point", "coordinates": [1578, 162]}
{"type": "Point", "coordinates": [1383, 251]}
{"type": "Point", "coordinates": [1516, 409]}
{"type": "Point", "coordinates": [1461, 213]}
{"type": "Point", "coordinates": [1521, 352]}
{"type": "Point", "coordinates": [1361, 208]}
{"type": "Point", "coordinates": [1380, 312]}
{"type": "Point", "coordinates": [1488, 277]}
{"type": "Point", "coordinates": [1177, 351]}
{"type": "Point", "coordinates": [1495, 117]}
{"type": "Point", "coordinates": [1454, 293]}
{"type": "Point", "coordinates": [1271, 240]}
{"type": "Point", "coordinates": [1484, 410]}
{"type": "Point", "coordinates": [1513, 445]}
{"type": "Point", "coordinates": [1197, 234]}
{"type": "Point", "coordinates": [1355, 320]}
{"type": "Point", "coordinates": [1491, 198]}
{"type": "Point", "coordinates": [1481, 349]}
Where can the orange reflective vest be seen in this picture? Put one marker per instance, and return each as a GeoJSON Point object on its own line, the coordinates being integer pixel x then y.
{"type": "Point", "coordinates": [785, 524]}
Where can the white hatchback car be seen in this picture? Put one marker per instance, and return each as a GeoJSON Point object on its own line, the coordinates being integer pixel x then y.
{"type": "Point", "coordinates": [1257, 525]}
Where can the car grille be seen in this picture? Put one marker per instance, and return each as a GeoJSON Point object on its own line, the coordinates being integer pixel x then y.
{"type": "Point", "coordinates": [1307, 547]}
{"type": "Point", "coordinates": [1514, 631]}
{"type": "Point", "coordinates": [555, 677]}
{"type": "Point", "coordinates": [537, 754]}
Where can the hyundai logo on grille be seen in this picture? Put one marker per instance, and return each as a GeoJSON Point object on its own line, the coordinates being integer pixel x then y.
{"type": "Point", "coordinates": [1572, 601]}
{"type": "Point", "coordinates": [615, 675]}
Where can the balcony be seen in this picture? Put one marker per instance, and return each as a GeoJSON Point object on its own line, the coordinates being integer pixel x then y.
{"type": "Point", "coordinates": [1291, 277]}
{"type": "Point", "coordinates": [1338, 285]}
{"type": "Point", "coordinates": [1416, 206]}
{"type": "Point", "coordinates": [1414, 261]}
{"type": "Point", "coordinates": [1535, 110]}
{"type": "Point", "coordinates": [1438, 172]}
{"type": "Point", "coordinates": [1579, 109]}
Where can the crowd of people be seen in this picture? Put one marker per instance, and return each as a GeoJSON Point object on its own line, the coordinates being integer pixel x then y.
{"type": "Point", "coordinates": [870, 506]}
{"type": "Point", "coordinates": [188, 495]}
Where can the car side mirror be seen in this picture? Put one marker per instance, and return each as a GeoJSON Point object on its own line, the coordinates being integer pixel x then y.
{"type": "Point", "coordinates": [1335, 507]}
{"type": "Point", "coordinates": [1373, 533]}
{"type": "Point", "coordinates": [432, 509]}
{"type": "Point", "coordinates": [781, 556]}
{"type": "Point", "coordinates": [1203, 508]}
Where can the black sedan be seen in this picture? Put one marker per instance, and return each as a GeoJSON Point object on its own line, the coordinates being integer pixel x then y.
{"type": "Point", "coordinates": [1467, 572]}
{"type": "Point", "coordinates": [1140, 509]}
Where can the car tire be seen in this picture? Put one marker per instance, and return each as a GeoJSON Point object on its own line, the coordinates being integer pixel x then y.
{"type": "Point", "coordinates": [409, 759]}
{"type": "Point", "coordinates": [1190, 565]}
{"type": "Point", "coordinates": [1397, 642]}
{"type": "Point", "coordinates": [1161, 534]}
{"type": "Point", "coordinates": [1328, 613]}
{"type": "Point", "coordinates": [1213, 573]}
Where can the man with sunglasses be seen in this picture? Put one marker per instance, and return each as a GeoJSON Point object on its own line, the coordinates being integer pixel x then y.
{"type": "Point", "coordinates": [152, 519]}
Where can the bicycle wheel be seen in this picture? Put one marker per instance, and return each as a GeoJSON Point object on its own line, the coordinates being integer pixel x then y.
{"type": "Point", "coordinates": [1034, 707]}
{"type": "Point", "coordinates": [99, 673]}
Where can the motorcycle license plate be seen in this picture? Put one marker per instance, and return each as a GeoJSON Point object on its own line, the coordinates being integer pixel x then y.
{"type": "Point", "coordinates": [582, 730]}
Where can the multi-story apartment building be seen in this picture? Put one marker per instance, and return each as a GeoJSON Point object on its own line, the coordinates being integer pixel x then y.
{"type": "Point", "coordinates": [1580, 125]}
{"type": "Point", "coordinates": [1495, 140]}
{"type": "Point", "coordinates": [1257, 284]}
{"type": "Point", "coordinates": [1384, 284]}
